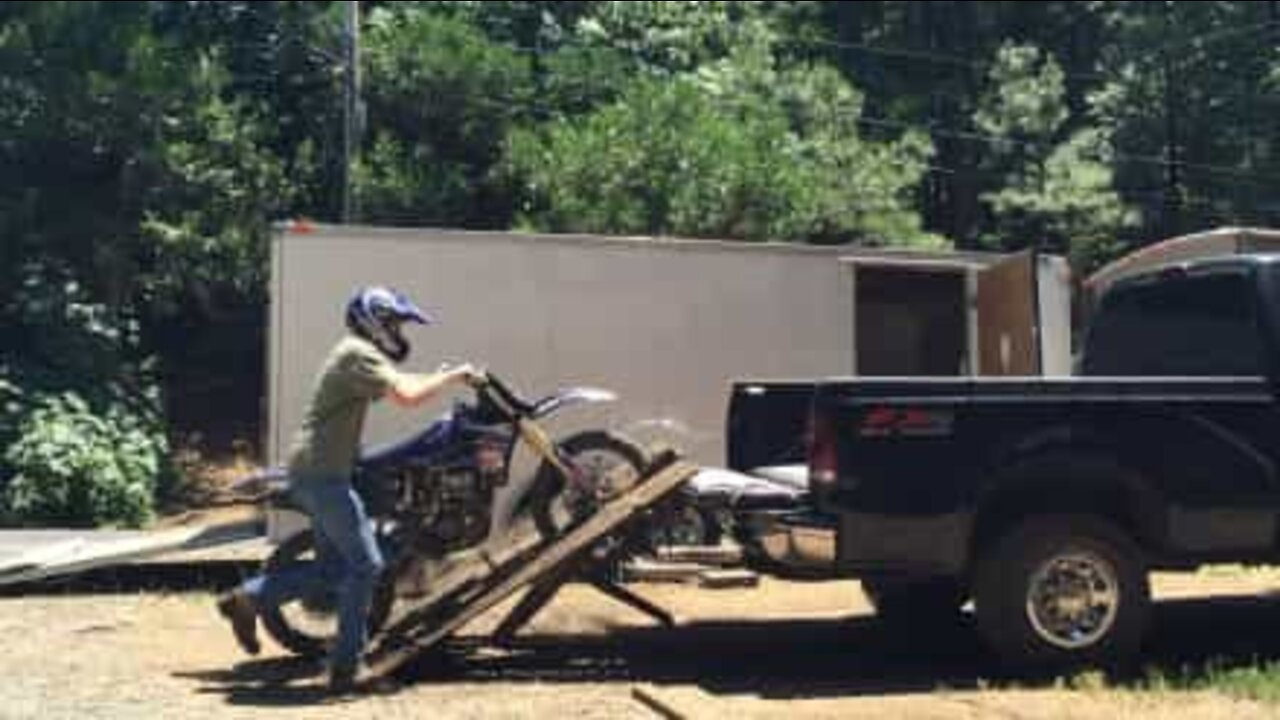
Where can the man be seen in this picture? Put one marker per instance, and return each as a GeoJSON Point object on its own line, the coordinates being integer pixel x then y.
{"type": "Point", "coordinates": [358, 371]}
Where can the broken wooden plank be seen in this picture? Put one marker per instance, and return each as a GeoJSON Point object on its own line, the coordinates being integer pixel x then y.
{"type": "Point", "coordinates": [534, 600]}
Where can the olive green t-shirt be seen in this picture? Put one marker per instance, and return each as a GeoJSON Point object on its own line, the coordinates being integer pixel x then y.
{"type": "Point", "coordinates": [355, 374]}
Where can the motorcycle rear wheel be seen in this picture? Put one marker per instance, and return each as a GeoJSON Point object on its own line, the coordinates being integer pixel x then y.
{"type": "Point", "coordinates": [308, 626]}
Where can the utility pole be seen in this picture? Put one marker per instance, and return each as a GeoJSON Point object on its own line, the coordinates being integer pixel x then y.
{"type": "Point", "coordinates": [1273, 16]}
{"type": "Point", "coordinates": [351, 120]}
{"type": "Point", "coordinates": [1172, 220]}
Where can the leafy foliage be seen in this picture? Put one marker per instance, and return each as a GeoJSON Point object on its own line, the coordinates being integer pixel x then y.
{"type": "Point", "coordinates": [737, 149]}
{"type": "Point", "coordinates": [667, 37]}
{"type": "Point", "coordinates": [82, 430]}
{"type": "Point", "coordinates": [73, 467]}
{"type": "Point", "coordinates": [441, 97]}
{"type": "Point", "coordinates": [1058, 196]}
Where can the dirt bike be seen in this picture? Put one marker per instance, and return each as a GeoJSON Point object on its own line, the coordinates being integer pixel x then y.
{"type": "Point", "coordinates": [432, 495]}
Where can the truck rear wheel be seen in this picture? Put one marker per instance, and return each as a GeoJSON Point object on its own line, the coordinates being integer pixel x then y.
{"type": "Point", "coordinates": [910, 601]}
{"type": "Point", "coordinates": [1062, 591]}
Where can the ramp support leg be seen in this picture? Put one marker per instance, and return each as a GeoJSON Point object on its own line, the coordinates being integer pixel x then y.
{"type": "Point", "coordinates": [533, 601]}
{"type": "Point", "coordinates": [545, 591]}
{"type": "Point", "coordinates": [632, 600]}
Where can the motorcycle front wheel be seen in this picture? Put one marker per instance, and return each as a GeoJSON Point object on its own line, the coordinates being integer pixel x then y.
{"type": "Point", "coordinates": [609, 464]}
{"type": "Point", "coordinates": [307, 626]}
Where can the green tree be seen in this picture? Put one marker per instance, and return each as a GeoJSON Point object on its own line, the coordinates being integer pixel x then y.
{"type": "Point", "coordinates": [283, 65]}
{"type": "Point", "coordinates": [667, 37]}
{"type": "Point", "coordinates": [140, 178]}
{"type": "Point", "coordinates": [738, 148]}
{"type": "Point", "coordinates": [132, 129]}
{"type": "Point", "coordinates": [1053, 194]}
{"type": "Point", "coordinates": [1185, 92]}
{"type": "Point", "coordinates": [441, 98]}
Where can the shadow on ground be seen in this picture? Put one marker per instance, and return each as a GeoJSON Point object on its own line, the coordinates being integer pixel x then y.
{"type": "Point", "coordinates": [144, 577]}
{"type": "Point", "coordinates": [273, 682]}
{"type": "Point", "coordinates": [787, 659]}
{"type": "Point", "coordinates": [856, 656]}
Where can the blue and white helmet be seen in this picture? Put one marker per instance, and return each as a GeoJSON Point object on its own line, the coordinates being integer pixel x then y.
{"type": "Point", "coordinates": [376, 314]}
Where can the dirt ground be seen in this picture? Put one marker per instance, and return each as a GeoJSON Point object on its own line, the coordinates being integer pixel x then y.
{"type": "Point", "coordinates": [806, 650]}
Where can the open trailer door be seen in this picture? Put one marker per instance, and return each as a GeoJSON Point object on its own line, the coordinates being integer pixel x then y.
{"type": "Point", "coordinates": [1009, 317]}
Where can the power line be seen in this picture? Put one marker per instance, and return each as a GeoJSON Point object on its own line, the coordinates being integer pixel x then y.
{"type": "Point", "coordinates": [929, 56]}
{"type": "Point", "coordinates": [941, 131]}
{"type": "Point", "coordinates": [1225, 33]}
{"type": "Point", "coordinates": [950, 59]}
{"type": "Point", "coordinates": [1190, 199]}
{"type": "Point", "coordinates": [932, 128]}
{"type": "Point", "coordinates": [1043, 146]}
{"type": "Point", "coordinates": [1162, 195]}
{"type": "Point", "coordinates": [961, 61]}
{"type": "Point", "coordinates": [1228, 32]}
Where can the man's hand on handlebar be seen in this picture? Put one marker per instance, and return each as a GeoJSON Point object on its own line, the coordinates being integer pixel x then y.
{"type": "Point", "coordinates": [465, 373]}
{"type": "Point", "coordinates": [477, 377]}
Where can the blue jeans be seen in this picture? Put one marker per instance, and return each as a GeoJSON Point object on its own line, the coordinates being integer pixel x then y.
{"type": "Point", "coordinates": [347, 556]}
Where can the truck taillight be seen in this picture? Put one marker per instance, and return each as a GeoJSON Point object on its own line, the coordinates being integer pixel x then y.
{"type": "Point", "coordinates": [823, 464]}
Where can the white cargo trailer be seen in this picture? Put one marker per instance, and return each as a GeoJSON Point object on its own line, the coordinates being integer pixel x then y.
{"type": "Point", "coordinates": [666, 323]}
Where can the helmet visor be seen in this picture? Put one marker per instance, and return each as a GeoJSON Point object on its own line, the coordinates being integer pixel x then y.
{"type": "Point", "coordinates": [405, 310]}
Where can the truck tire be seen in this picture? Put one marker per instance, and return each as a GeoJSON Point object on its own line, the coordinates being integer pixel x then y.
{"type": "Point", "coordinates": [902, 601]}
{"type": "Point", "coordinates": [1062, 591]}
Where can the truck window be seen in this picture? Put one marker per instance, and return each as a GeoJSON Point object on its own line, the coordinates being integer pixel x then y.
{"type": "Point", "coordinates": [1183, 325]}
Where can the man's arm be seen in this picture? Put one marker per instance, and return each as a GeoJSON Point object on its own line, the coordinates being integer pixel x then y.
{"type": "Point", "coordinates": [412, 389]}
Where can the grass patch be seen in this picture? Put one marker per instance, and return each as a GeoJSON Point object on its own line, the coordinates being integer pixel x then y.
{"type": "Point", "coordinates": [1257, 681]}
{"type": "Point", "coordinates": [1236, 570]}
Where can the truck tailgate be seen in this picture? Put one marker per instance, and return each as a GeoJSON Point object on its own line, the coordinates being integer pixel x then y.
{"type": "Point", "coordinates": [767, 424]}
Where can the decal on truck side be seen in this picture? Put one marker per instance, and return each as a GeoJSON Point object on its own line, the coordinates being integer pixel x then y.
{"type": "Point", "coordinates": [906, 422]}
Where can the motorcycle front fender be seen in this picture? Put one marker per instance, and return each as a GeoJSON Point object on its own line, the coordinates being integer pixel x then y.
{"type": "Point", "coordinates": [571, 397]}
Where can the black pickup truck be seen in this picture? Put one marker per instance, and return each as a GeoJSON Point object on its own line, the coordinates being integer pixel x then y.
{"type": "Point", "coordinates": [1044, 500]}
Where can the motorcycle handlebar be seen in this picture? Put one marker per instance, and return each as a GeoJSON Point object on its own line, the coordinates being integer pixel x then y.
{"type": "Point", "coordinates": [492, 384]}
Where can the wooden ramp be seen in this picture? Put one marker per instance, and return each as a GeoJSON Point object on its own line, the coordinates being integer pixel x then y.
{"type": "Point", "coordinates": [490, 576]}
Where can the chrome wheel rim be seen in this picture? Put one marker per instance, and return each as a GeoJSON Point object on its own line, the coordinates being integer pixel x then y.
{"type": "Point", "coordinates": [685, 527]}
{"type": "Point", "coordinates": [1073, 599]}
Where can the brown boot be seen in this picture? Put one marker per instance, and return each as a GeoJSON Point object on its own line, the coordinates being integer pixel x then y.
{"type": "Point", "coordinates": [238, 608]}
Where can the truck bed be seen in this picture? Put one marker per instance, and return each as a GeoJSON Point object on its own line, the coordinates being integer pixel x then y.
{"type": "Point", "coordinates": [767, 420]}
{"type": "Point", "coordinates": [1038, 389]}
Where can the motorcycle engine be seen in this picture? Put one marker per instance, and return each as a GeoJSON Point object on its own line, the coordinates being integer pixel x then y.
{"type": "Point", "coordinates": [449, 506]}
